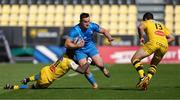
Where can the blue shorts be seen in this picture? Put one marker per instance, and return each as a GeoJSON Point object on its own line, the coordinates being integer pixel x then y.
{"type": "Point", "coordinates": [84, 53]}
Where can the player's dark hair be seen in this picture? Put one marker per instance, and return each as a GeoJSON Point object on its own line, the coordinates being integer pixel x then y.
{"type": "Point", "coordinates": [83, 15]}
{"type": "Point", "coordinates": [148, 16]}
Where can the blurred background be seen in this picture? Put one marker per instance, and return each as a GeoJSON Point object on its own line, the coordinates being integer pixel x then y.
{"type": "Point", "coordinates": [34, 30]}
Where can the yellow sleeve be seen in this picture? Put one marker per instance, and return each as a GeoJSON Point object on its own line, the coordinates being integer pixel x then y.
{"type": "Point", "coordinates": [166, 31]}
{"type": "Point", "coordinates": [144, 23]}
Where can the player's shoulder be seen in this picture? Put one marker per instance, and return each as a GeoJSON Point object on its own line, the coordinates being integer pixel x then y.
{"type": "Point", "coordinates": [75, 27]}
{"type": "Point", "coordinates": [92, 24]}
{"type": "Point", "coordinates": [155, 21]}
{"type": "Point", "coordinates": [163, 25]}
{"type": "Point", "coordinates": [147, 22]}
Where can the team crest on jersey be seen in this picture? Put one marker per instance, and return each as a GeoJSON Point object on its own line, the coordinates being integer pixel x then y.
{"type": "Point", "coordinates": [160, 33]}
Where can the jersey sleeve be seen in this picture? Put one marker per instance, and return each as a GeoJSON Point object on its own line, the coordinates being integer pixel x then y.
{"type": "Point", "coordinates": [73, 34]}
{"type": "Point", "coordinates": [95, 27]}
{"type": "Point", "coordinates": [73, 65]}
{"type": "Point", "coordinates": [166, 31]}
{"type": "Point", "coordinates": [144, 23]}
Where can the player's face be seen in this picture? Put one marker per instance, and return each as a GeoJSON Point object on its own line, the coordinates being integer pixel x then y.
{"type": "Point", "coordinates": [85, 22]}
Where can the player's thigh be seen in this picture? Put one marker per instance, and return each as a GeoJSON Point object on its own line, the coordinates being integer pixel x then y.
{"type": "Point", "coordinates": [82, 61]}
{"type": "Point", "coordinates": [45, 75]}
{"type": "Point", "coordinates": [139, 54]}
{"type": "Point", "coordinates": [160, 52]}
{"type": "Point", "coordinates": [158, 55]}
{"type": "Point", "coordinates": [94, 54]}
{"type": "Point", "coordinates": [80, 57]}
{"type": "Point", "coordinates": [145, 50]}
{"type": "Point", "coordinates": [98, 60]}
{"type": "Point", "coordinates": [92, 51]}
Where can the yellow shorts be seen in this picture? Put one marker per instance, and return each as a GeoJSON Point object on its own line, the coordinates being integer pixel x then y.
{"type": "Point", "coordinates": [155, 47]}
{"type": "Point", "coordinates": [45, 78]}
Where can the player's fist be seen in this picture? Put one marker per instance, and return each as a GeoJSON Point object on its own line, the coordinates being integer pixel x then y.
{"type": "Point", "coordinates": [142, 41]}
{"type": "Point", "coordinates": [110, 39]}
{"type": "Point", "coordinates": [81, 43]}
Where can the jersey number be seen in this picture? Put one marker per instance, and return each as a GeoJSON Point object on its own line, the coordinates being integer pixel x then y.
{"type": "Point", "coordinates": [158, 26]}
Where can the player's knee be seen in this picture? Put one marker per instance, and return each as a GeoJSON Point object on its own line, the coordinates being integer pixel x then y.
{"type": "Point", "coordinates": [133, 59]}
{"type": "Point", "coordinates": [158, 57]}
{"type": "Point", "coordinates": [100, 64]}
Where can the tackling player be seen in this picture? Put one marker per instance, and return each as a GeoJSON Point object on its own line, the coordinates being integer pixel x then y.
{"type": "Point", "coordinates": [49, 74]}
{"type": "Point", "coordinates": [158, 38]}
{"type": "Point", "coordinates": [85, 30]}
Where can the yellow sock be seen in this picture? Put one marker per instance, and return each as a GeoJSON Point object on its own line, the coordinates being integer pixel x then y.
{"type": "Point", "coordinates": [141, 73]}
{"type": "Point", "coordinates": [32, 78]}
{"type": "Point", "coordinates": [15, 87]}
{"type": "Point", "coordinates": [139, 67]}
{"type": "Point", "coordinates": [149, 75]}
{"type": "Point", "coordinates": [151, 71]}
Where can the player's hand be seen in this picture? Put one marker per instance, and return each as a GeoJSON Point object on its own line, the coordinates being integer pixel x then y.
{"type": "Point", "coordinates": [142, 41]}
{"type": "Point", "coordinates": [110, 39]}
{"type": "Point", "coordinates": [80, 44]}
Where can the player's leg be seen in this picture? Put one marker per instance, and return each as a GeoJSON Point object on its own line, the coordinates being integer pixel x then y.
{"type": "Point", "coordinates": [97, 59]}
{"type": "Point", "coordinates": [15, 87]}
{"type": "Point", "coordinates": [37, 85]}
{"type": "Point", "coordinates": [82, 59]}
{"type": "Point", "coordinates": [136, 61]}
{"type": "Point", "coordinates": [152, 69]}
{"type": "Point", "coordinates": [29, 79]}
{"type": "Point", "coordinates": [99, 63]}
{"type": "Point", "coordinates": [89, 76]}
{"type": "Point", "coordinates": [158, 55]}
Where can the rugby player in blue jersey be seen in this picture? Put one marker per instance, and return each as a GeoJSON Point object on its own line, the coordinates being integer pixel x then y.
{"type": "Point", "coordinates": [87, 48]}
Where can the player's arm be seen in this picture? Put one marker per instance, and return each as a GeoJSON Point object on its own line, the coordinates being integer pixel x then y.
{"type": "Point", "coordinates": [80, 69]}
{"type": "Point", "coordinates": [71, 44]}
{"type": "Point", "coordinates": [141, 32]}
{"type": "Point", "coordinates": [170, 38]}
{"type": "Point", "coordinates": [106, 34]}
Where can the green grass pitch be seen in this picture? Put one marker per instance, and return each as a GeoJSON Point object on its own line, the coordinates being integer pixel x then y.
{"type": "Point", "coordinates": [164, 85]}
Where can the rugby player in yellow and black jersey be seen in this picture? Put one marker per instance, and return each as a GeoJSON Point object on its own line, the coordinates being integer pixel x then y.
{"type": "Point", "coordinates": [48, 74]}
{"type": "Point", "coordinates": [158, 37]}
